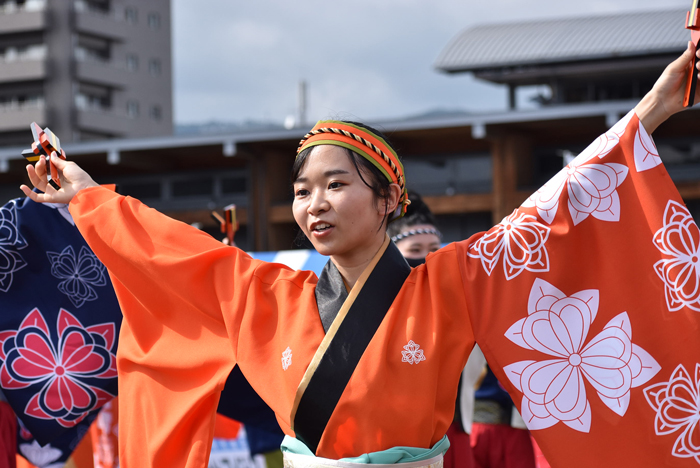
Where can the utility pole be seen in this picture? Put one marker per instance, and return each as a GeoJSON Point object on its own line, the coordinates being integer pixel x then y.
{"type": "Point", "coordinates": [301, 120]}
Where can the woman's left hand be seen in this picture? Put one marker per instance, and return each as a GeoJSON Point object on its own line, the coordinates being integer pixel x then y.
{"type": "Point", "coordinates": [666, 97]}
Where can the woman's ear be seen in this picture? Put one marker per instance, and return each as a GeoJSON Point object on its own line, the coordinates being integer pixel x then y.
{"type": "Point", "coordinates": [392, 199]}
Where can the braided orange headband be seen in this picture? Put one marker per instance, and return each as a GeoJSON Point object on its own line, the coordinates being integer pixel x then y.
{"type": "Point", "coordinates": [365, 143]}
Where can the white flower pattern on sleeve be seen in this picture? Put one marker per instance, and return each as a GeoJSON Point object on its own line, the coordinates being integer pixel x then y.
{"type": "Point", "coordinates": [677, 406]}
{"type": "Point", "coordinates": [679, 239]}
{"type": "Point", "coordinates": [412, 353]}
{"type": "Point", "coordinates": [520, 239]}
{"type": "Point", "coordinates": [592, 190]}
{"type": "Point", "coordinates": [591, 186]}
{"type": "Point", "coordinates": [646, 156]}
{"type": "Point", "coordinates": [554, 390]}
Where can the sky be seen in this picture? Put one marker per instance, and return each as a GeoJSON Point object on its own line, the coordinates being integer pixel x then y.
{"type": "Point", "coordinates": [365, 60]}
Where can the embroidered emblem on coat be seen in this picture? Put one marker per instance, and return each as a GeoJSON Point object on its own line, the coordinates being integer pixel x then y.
{"type": "Point", "coordinates": [412, 353]}
{"type": "Point", "coordinates": [287, 358]}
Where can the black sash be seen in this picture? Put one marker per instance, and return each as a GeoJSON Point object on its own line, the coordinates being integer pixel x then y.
{"type": "Point", "coordinates": [352, 337]}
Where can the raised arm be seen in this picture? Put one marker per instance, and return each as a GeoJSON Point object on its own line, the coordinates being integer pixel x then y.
{"type": "Point", "coordinates": [585, 300]}
{"type": "Point", "coordinates": [666, 97]}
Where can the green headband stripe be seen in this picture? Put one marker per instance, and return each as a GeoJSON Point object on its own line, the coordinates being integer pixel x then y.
{"type": "Point", "coordinates": [357, 150]}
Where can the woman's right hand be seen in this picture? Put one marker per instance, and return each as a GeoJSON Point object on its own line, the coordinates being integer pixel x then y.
{"type": "Point", "coordinates": [72, 177]}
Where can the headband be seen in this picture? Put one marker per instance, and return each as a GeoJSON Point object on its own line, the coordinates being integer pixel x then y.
{"type": "Point", "coordinates": [365, 143]}
{"type": "Point", "coordinates": [414, 232]}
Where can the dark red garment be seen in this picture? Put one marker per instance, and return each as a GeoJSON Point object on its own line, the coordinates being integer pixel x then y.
{"type": "Point", "coordinates": [459, 455]}
{"type": "Point", "coordinates": [8, 436]}
{"type": "Point", "coordinates": [501, 446]}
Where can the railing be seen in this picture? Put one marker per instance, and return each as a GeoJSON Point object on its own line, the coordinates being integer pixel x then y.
{"type": "Point", "coordinates": [11, 7]}
{"type": "Point", "coordinates": [81, 6]}
{"type": "Point", "coordinates": [15, 105]}
{"type": "Point", "coordinates": [13, 54]}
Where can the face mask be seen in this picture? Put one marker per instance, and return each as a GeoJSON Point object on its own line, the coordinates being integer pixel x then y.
{"type": "Point", "coordinates": [414, 262]}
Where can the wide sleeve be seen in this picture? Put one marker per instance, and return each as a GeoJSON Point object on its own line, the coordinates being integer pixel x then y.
{"type": "Point", "coordinates": [183, 295]}
{"type": "Point", "coordinates": [586, 304]}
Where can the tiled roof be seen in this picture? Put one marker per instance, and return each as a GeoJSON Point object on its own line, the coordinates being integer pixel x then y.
{"type": "Point", "coordinates": [565, 40]}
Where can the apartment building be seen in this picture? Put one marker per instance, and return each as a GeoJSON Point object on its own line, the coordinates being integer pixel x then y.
{"type": "Point", "coordinates": [89, 69]}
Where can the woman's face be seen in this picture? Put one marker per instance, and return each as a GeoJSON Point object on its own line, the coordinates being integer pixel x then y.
{"type": "Point", "coordinates": [419, 245]}
{"type": "Point", "coordinates": [334, 208]}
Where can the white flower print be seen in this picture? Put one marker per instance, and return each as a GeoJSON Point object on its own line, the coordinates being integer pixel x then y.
{"type": "Point", "coordinates": [677, 406]}
{"type": "Point", "coordinates": [78, 274]}
{"type": "Point", "coordinates": [42, 457]}
{"type": "Point", "coordinates": [412, 353]}
{"type": "Point", "coordinates": [554, 390]}
{"type": "Point", "coordinates": [646, 156]}
{"type": "Point", "coordinates": [520, 239]}
{"type": "Point", "coordinates": [679, 239]}
{"type": "Point", "coordinates": [605, 143]}
{"type": "Point", "coordinates": [10, 242]}
{"type": "Point", "coordinates": [592, 190]}
{"type": "Point", "coordinates": [287, 358]}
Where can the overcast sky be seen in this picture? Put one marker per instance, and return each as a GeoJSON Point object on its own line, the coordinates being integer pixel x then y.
{"type": "Point", "coordinates": [362, 59]}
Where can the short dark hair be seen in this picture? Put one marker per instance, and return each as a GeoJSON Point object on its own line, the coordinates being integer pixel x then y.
{"type": "Point", "coordinates": [375, 179]}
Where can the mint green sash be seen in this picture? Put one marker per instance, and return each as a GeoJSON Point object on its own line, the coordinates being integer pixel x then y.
{"type": "Point", "coordinates": [385, 457]}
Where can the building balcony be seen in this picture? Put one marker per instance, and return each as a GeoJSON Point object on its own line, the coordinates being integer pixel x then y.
{"type": "Point", "coordinates": [101, 25]}
{"type": "Point", "coordinates": [103, 121]}
{"type": "Point", "coordinates": [22, 20]}
{"type": "Point", "coordinates": [104, 73]}
{"type": "Point", "coordinates": [17, 117]}
{"type": "Point", "coordinates": [22, 70]}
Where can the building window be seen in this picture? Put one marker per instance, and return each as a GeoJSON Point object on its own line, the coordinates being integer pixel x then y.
{"type": "Point", "coordinates": [131, 15]}
{"type": "Point", "coordinates": [154, 67]}
{"type": "Point", "coordinates": [234, 185]}
{"type": "Point", "coordinates": [132, 62]}
{"type": "Point", "coordinates": [91, 6]}
{"type": "Point", "coordinates": [132, 109]}
{"type": "Point", "coordinates": [141, 190]}
{"type": "Point", "coordinates": [154, 20]}
{"type": "Point", "coordinates": [156, 112]}
{"type": "Point", "coordinates": [96, 98]}
{"type": "Point", "coordinates": [193, 187]}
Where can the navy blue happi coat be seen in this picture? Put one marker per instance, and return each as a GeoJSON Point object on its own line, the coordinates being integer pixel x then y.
{"type": "Point", "coordinates": [59, 320]}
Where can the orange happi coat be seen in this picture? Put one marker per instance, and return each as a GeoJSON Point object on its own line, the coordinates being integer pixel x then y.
{"type": "Point", "coordinates": [584, 301]}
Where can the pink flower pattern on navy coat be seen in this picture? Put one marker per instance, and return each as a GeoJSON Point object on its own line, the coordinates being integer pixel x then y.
{"type": "Point", "coordinates": [554, 390]}
{"type": "Point", "coordinates": [31, 357]}
{"type": "Point", "coordinates": [79, 274]}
